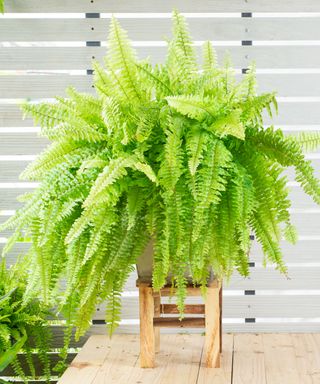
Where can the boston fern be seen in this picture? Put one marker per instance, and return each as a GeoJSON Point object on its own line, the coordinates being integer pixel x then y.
{"type": "Point", "coordinates": [24, 329]}
{"type": "Point", "coordinates": [174, 154]}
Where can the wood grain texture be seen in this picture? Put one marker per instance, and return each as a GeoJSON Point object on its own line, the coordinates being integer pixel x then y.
{"type": "Point", "coordinates": [177, 362]}
{"type": "Point", "coordinates": [118, 364]}
{"type": "Point", "coordinates": [172, 322]}
{"type": "Point", "coordinates": [85, 366]}
{"type": "Point", "coordinates": [307, 357]}
{"type": "Point", "coordinates": [157, 313]}
{"type": "Point", "coordinates": [222, 375]}
{"type": "Point", "coordinates": [196, 309]}
{"type": "Point", "coordinates": [168, 291]}
{"type": "Point", "coordinates": [212, 326]}
{"type": "Point", "coordinates": [147, 339]}
{"type": "Point", "coordinates": [249, 365]}
{"type": "Point", "coordinates": [246, 358]}
{"type": "Point", "coordinates": [280, 359]}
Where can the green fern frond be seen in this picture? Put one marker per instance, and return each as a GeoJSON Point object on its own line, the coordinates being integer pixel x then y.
{"type": "Point", "coordinates": [229, 124]}
{"type": "Point", "coordinates": [121, 61]}
{"type": "Point", "coordinates": [209, 57]}
{"type": "Point", "coordinates": [154, 78]}
{"type": "Point", "coordinates": [210, 182]}
{"type": "Point", "coordinates": [196, 145]}
{"type": "Point", "coordinates": [309, 141]}
{"type": "Point", "coordinates": [195, 107]}
{"type": "Point", "coordinates": [146, 169]}
{"type": "Point", "coordinates": [290, 233]}
{"type": "Point", "coordinates": [171, 170]}
{"type": "Point", "coordinates": [181, 35]}
{"type": "Point", "coordinates": [57, 153]}
{"type": "Point", "coordinates": [109, 175]}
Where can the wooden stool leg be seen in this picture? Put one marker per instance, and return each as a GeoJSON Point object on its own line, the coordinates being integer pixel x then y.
{"type": "Point", "coordinates": [220, 305]}
{"type": "Point", "coordinates": [156, 330]}
{"type": "Point", "coordinates": [147, 342]}
{"type": "Point", "coordinates": [212, 338]}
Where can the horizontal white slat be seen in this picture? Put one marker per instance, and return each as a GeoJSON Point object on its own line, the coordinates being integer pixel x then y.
{"type": "Point", "coordinates": [41, 86]}
{"type": "Point", "coordinates": [48, 86]}
{"type": "Point", "coordinates": [11, 116]}
{"type": "Point", "coordinates": [304, 251]}
{"type": "Point", "coordinates": [163, 6]}
{"type": "Point", "coordinates": [51, 58]}
{"type": "Point", "coordinates": [283, 57]}
{"type": "Point", "coordinates": [295, 114]}
{"type": "Point", "coordinates": [307, 224]}
{"type": "Point", "coordinates": [260, 278]}
{"type": "Point", "coordinates": [138, 29]}
{"type": "Point", "coordinates": [76, 58]}
{"type": "Point", "coordinates": [155, 29]}
{"type": "Point", "coordinates": [21, 143]}
{"type": "Point", "coordinates": [245, 306]}
{"type": "Point", "coordinates": [300, 199]}
{"type": "Point", "coordinates": [10, 170]}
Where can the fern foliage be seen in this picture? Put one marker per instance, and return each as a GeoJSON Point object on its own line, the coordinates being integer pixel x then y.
{"type": "Point", "coordinates": [24, 327]}
{"type": "Point", "coordinates": [176, 154]}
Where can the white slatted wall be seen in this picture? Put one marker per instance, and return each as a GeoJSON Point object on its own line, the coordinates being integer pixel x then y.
{"type": "Point", "coordinates": [46, 45]}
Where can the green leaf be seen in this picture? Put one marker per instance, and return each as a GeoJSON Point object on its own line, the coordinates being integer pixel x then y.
{"type": "Point", "coordinates": [195, 107]}
{"type": "Point", "coordinates": [10, 354]}
{"type": "Point", "coordinates": [229, 124]}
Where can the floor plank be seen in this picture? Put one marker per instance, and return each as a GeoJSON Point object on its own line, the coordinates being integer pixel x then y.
{"type": "Point", "coordinates": [177, 362]}
{"type": "Point", "coordinates": [86, 364]}
{"type": "Point", "coordinates": [307, 348]}
{"type": "Point", "coordinates": [248, 359]}
{"type": "Point", "coordinates": [118, 365]}
{"type": "Point", "coordinates": [303, 359]}
{"type": "Point", "coordinates": [280, 359]}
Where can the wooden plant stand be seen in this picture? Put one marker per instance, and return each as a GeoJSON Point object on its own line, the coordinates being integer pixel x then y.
{"type": "Point", "coordinates": [151, 320]}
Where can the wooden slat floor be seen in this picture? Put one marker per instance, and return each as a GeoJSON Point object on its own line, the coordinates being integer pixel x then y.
{"type": "Point", "coordinates": [247, 359]}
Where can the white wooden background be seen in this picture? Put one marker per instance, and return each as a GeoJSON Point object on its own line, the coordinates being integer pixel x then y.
{"type": "Point", "coordinates": [46, 45]}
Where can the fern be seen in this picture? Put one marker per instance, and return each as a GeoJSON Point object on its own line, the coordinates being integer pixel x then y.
{"type": "Point", "coordinates": [165, 154]}
{"type": "Point", "coordinates": [195, 107]}
{"type": "Point", "coordinates": [309, 141]}
{"type": "Point", "coordinates": [24, 327]}
{"type": "Point", "coordinates": [209, 57]}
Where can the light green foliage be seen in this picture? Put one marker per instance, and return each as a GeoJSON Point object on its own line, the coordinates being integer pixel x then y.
{"type": "Point", "coordinates": [23, 326]}
{"type": "Point", "coordinates": [309, 141]}
{"type": "Point", "coordinates": [168, 153]}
